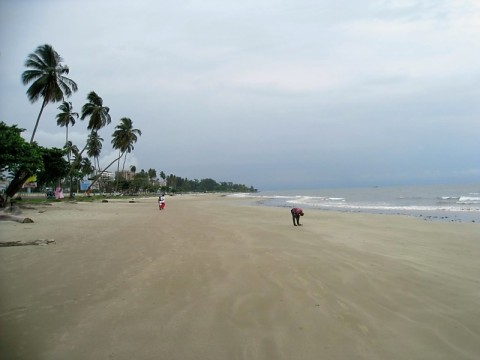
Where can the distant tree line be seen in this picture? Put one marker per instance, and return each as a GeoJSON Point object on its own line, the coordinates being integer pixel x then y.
{"type": "Point", "coordinates": [46, 75]}
{"type": "Point", "coordinates": [22, 160]}
{"type": "Point", "coordinates": [179, 184]}
{"type": "Point", "coordinates": [147, 182]}
{"type": "Point", "coordinates": [50, 166]}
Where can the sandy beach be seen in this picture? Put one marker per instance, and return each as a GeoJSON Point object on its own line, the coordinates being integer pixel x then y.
{"type": "Point", "coordinates": [213, 277]}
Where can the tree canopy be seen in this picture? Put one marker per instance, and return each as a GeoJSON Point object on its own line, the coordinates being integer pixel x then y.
{"type": "Point", "coordinates": [15, 153]}
{"type": "Point", "coordinates": [55, 167]}
{"type": "Point", "coordinates": [46, 73]}
{"type": "Point", "coordinates": [46, 78]}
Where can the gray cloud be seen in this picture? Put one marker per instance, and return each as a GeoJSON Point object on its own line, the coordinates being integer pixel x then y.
{"type": "Point", "coordinates": [271, 94]}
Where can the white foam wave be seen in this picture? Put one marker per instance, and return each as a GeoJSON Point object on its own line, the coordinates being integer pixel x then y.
{"type": "Point", "coordinates": [342, 204]}
{"type": "Point", "coordinates": [469, 200]}
{"type": "Point", "coordinates": [239, 195]}
{"type": "Point", "coordinates": [389, 208]}
{"type": "Point", "coordinates": [470, 203]}
{"type": "Point", "coordinates": [257, 196]}
{"type": "Point", "coordinates": [314, 200]}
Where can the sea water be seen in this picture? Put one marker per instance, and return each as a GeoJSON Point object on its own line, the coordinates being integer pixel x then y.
{"type": "Point", "coordinates": [453, 203]}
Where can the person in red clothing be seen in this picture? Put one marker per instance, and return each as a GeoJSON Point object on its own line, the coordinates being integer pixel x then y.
{"type": "Point", "coordinates": [296, 213]}
{"type": "Point", "coordinates": [161, 202]}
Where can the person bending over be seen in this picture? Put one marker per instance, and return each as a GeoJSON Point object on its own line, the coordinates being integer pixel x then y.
{"type": "Point", "coordinates": [296, 213]}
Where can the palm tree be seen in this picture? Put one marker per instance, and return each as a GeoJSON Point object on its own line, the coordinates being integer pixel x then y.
{"type": "Point", "coordinates": [123, 139]}
{"type": "Point", "coordinates": [65, 118]}
{"type": "Point", "coordinates": [46, 73]}
{"type": "Point", "coordinates": [94, 148]}
{"type": "Point", "coordinates": [98, 118]}
{"type": "Point", "coordinates": [98, 114]}
{"type": "Point", "coordinates": [86, 167]}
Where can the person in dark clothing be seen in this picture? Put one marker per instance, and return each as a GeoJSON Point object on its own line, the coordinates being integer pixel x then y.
{"type": "Point", "coordinates": [296, 213]}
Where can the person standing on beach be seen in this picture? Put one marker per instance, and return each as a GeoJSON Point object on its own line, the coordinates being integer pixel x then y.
{"type": "Point", "coordinates": [161, 202]}
{"type": "Point", "coordinates": [296, 213]}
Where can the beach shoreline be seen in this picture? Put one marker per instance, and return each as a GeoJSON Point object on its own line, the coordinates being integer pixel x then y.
{"type": "Point", "coordinates": [215, 277]}
{"type": "Point", "coordinates": [443, 203]}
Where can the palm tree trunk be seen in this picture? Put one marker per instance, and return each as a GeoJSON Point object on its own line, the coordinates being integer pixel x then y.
{"type": "Point", "coordinates": [45, 101]}
{"type": "Point", "coordinates": [66, 142]}
{"type": "Point", "coordinates": [100, 180]}
{"type": "Point", "coordinates": [15, 186]}
{"type": "Point", "coordinates": [124, 161]}
{"type": "Point", "coordinates": [73, 166]}
{"type": "Point", "coordinates": [100, 175]}
{"type": "Point", "coordinates": [118, 171]}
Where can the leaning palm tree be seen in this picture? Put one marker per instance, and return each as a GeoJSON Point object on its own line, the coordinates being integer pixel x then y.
{"type": "Point", "coordinates": [66, 117]}
{"type": "Point", "coordinates": [98, 114]}
{"type": "Point", "coordinates": [123, 139]}
{"type": "Point", "coordinates": [46, 73]}
{"type": "Point", "coordinates": [98, 118]}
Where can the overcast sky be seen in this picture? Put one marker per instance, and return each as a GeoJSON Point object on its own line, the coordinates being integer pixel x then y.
{"type": "Point", "coordinates": [270, 93]}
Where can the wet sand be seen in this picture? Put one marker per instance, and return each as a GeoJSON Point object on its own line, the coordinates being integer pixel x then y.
{"type": "Point", "coordinates": [212, 277]}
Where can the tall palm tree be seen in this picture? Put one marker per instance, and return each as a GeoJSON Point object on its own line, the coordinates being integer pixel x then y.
{"type": "Point", "coordinates": [123, 139]}
{"type": "Point", "coordinates": [66, 117]}
{"type": "Point", "coordinates": [94, 148]}
{"type": "Point", "coordinates": [46, 73]}
{"type": "Point", "coordinates": [98, 114]}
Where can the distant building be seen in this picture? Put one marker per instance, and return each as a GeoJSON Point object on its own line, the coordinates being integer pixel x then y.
{"type": "Point", "coordinates": [125, 174]}
{"type": "Point", "coordinates": [106, 175]}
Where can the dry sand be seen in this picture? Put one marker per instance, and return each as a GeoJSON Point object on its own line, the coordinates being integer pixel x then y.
{"type": "Point", "coordinates": [212, 277]}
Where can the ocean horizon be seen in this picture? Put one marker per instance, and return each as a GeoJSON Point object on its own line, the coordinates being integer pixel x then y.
{"type": "Point", "coordinates": [451, 203]}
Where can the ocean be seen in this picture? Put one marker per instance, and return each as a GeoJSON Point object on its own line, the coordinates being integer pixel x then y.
{"type": "Point", "coordinates": [452, 203]}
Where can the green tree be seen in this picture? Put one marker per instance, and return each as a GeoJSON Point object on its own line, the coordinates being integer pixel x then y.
{"type": "Point", "coordinates": [66, 117]}
{"type": "Point", "coordinates": [98, 114]}
{"type": "Point", "coordinates": [172, 182]}
{"type": "Point", "coordinates": [86, 167]}
{"type": "Point", "coordinates": [208, 185]}
{"type": "Point", "coordinates": [17, 157]}
{"type": "Point", "coordinates": [55, 167]}
{"type": "Point", "coordinates": [140, 181]}
{"type": "Point", "coordinates": [46, 73]}
{"type": "Point", "coordinates": [15, 153]}
{"type": "Point", "coordinates": [123, 139]}
{"type": "Point", "coordinates": [94, 149]}
{"type": "Point", "coordinates": [152, 174]}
